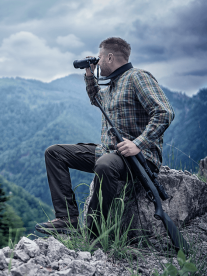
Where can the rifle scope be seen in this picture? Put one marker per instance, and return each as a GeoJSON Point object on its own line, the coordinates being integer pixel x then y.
{"type": "Point", "coordinates": [85, 63]}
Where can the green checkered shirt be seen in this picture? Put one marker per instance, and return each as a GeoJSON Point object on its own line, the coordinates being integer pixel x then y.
{"type": "Point", "coordinates": [139, 110]}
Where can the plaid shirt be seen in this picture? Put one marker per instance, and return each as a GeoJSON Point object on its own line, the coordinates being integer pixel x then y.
{"type": "Point", "coordinates": [139, 110]}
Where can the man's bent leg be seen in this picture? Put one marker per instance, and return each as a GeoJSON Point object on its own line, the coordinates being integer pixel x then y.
{"type": "Point", "coordinates": [111, 169]}
{"type": "Point", "coordinates": [58, 159]}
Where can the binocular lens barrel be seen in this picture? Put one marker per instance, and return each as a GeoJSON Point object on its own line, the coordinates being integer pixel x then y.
{"type": "Point", "coordinates": [85, 63]}
{"type": "Point", "coordinates": [81, 64]}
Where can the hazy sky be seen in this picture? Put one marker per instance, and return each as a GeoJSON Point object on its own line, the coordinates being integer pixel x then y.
{"type": "Point", "coordinates": [41, 39]}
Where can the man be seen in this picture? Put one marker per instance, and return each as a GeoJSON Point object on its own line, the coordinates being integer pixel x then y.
{"type": "Point", "coordinates": [141, 112]}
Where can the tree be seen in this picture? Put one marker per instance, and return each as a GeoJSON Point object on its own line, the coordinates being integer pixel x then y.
{"type": "Point", "coordinates": [9, 221]}
{"type": "Point", "coordinates": [3, 199]}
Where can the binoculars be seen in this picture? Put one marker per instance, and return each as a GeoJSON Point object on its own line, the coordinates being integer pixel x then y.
{"type": "Point", "coordinates": [85, 63]}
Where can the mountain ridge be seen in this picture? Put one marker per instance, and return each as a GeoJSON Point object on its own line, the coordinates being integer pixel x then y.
{"type": "Point", "coordinates": [35, 115]}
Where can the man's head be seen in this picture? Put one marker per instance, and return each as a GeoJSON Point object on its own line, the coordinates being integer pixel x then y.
{"type": "Point", "coordinates": [114, 53]}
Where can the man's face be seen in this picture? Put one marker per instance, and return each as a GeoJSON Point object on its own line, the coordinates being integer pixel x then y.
{"type": "Point", "coordinates": [103, 63]}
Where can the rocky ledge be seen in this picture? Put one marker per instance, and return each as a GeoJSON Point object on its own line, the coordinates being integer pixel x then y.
{"type": "Point", "coordinates": [187, 201]}
{"type": "Point", "coordinates": [51, 257]}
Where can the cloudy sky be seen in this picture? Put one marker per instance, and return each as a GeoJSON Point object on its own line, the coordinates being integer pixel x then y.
{"type": "Point", "coordinates": [41, 39]}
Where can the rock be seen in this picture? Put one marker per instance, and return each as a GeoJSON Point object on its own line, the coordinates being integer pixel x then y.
{"type": "Point", "coordinates": [203, 168]}
{"type": "Point", "coordinates": [29, 247]}
{"type": "Point", "coordinates": [188, 201]}
{"type": "Point", "coordinates": [29, 269]}
{"type": "Point", "coordinates": [67, 272]}
{"type": "Point", "coordinates": [43, 245]}
{"type": "Point", "coordinates": [3, 262]}
{"type": "Point", "coordinates": [99, 255]}
{"type": "Point", "coordinates": [189, 195]}
{"type": "Point", "coordinates": [21, 255]}
{"type": "Point", "coordinates": [57, 250]}
{"type": "Point", "coordinates": [86, 256]}
{"type": "Point", "coordinates": [69, 252]}
{"type": "Point", "coordinates": [69, 262]}
{"type": "Point", "coordinates": [7, 251]}
{"type": "Point", "coordinates": [14, 262]}
{"type": "Point", "coordinates": [63, 264]}
{"type": "Point", "coordinates": [82, 268]}
{"type": "Point", "coordinates": [55, 266]}
{"type": "Point", "coordinates": [42, 260]}
{"type": "Point", "coordinates": [203, 226]}
{"type": "Point", "coordinates": [3, 273]}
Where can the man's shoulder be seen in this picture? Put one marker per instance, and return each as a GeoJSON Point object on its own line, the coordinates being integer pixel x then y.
{"type": "Point", "coordinates": [135, 72]}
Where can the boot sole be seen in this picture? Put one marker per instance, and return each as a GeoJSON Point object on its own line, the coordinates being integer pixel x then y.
{"type": "Point", "coordinates": [53, 231]}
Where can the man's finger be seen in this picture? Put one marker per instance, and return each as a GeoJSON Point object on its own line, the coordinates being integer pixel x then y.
{"type": "Point", "coordinates": [122, 148]}
{"type": "Point", "coordinates": [123, 152]}
{"type": "Point", "coordinates": [120, 144]}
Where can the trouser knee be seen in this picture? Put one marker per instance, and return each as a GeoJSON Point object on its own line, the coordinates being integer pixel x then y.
{"type": "Point", "coordinates": [50, 151]}
{"type": "Point", "coordinates": [101, 166]}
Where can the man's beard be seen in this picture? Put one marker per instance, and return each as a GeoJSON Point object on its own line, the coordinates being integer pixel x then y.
{"type": "Point", "coordinates": [105, 70]}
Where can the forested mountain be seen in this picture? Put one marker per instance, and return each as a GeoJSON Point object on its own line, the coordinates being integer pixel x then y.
{"type": "Point", "coordinates": [35, 115]}
{"type": "Point", "coordinates": [187, 132]}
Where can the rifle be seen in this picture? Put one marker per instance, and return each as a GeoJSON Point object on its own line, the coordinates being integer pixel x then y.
{"type": "Point", "coordinates": [153, 190]}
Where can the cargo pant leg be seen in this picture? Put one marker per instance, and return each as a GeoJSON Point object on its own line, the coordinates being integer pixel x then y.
{"type": "Point", "coordinates": [58, 159]}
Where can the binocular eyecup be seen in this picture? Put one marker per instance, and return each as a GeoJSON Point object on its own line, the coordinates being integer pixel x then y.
{"type": "Point", "coordinates": [85, 63]}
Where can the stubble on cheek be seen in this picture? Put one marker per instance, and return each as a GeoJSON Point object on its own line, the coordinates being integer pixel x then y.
{"type": "Point", "coordinates": [105, 70]}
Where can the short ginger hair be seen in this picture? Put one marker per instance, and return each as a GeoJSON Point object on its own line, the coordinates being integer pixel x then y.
{"type": "Point", "coordinates": [117, 45]}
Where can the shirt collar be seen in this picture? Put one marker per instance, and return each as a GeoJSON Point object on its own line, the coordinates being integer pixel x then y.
{"type": "Point", "coordinates": [117, 73]}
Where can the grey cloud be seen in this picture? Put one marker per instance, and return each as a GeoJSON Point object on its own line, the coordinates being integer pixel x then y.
{"type": "Point", "coordinates": [70, 41]}
{"type": "Point", "coordinates": [25, 55]}
{"type": "Point", "coordinates": [184, 36]}
{"type": "Point", "coordinates": [19, 11]}
{"type": "Point", "coordinates": [47, 19]}
{"type": "Point", "coordinates": [202, 73]}
{"type": "Point", "coordinates": [163, 41]}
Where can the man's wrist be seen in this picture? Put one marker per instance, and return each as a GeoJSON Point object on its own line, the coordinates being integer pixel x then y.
{"type": "Point", "coordinates": [89, 77]}
{"type": "Point", "coordinates": [89, 74]}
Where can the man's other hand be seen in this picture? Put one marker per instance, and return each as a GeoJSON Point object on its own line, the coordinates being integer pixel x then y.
{"type": "Point", "coordinates": [127, 148]}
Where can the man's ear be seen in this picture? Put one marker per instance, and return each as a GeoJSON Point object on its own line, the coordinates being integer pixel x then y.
{"type": "Point", "coordinates": [110, 57]}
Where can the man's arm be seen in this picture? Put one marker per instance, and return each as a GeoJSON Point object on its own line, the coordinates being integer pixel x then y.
{"type": "Point", "coordinates": [92, 86]}
{"type": "Point", "coordinates": [156, 104]}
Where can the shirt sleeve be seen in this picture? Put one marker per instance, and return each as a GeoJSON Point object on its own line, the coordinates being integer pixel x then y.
{"type": "Point", "coordinates": [156, 104]}
{"type": "Point", "coordinates": [93, 89]}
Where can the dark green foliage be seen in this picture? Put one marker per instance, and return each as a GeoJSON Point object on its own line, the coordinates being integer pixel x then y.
{"type": "Point", "coordinates": [3, 200]}
{"type": "Point", "coordinates": [8, 219]}
{"type": "Point", "coordinates": [3, 224]}
{"type": "Point", "coordinates": [21, 210]}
